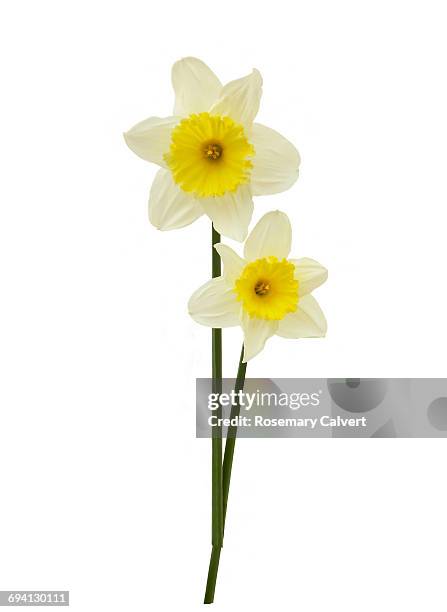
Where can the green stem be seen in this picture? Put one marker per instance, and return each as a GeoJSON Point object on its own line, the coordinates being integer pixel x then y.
{"type": "Point", "coordinates": [216, 444]}
{"type": "Point", "coordinates": [231, 434]}
{"type": "Point", "coordinates": [212, 574]}
{"type": "Point", "coordinates": [226, 476]}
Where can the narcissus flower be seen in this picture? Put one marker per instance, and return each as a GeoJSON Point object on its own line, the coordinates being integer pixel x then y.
{"type": "Point", "coordinates": [213, 158]}
{"type": "Point", "coordinates": [265, 293]}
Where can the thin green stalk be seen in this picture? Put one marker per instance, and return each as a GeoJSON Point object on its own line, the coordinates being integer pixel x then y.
{"type": "Point", "coordinates": [212, 574]}
{"type": "Point", "coordinates": [226, 476]}
{"type": "Point", "coordinates": [216, 444]}
{"type": "Point", "coordinates": [231, 434]}
{"type": "Point", "coordinates": [216, 343]}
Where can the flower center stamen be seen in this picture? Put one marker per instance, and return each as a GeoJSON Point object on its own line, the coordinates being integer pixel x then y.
{"type": "Point", "coordinates": [213, 151]}
{"type": "Point", "coordinates": [262, 288]}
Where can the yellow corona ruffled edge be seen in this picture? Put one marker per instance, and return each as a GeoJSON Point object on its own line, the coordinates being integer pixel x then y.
{"type": "Point", "coordinates": [268, 289]}
{"type": "Point", "coordinates": [209, 155]}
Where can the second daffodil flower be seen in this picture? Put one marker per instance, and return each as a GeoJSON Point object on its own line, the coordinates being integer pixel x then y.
{"type": "Point", "coordinates": [213, 158]}
{"type": "Point", "coordinates": [265, 293]}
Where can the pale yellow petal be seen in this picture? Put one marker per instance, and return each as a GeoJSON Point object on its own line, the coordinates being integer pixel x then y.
{"type": "Point", "coordinates": [214, 304]}
{"type": "Point", "coordinates": [309, 274]}
{"type": "Point", "coordinates": [195, 85]}
{"type": "Point", "coordinates": [256, 333]}
{"type": "Point", "coordinates": [232, 263]}
{"type": "Point", "coordinates": [170, 207]}
{"type": "Point", "coordinates": [231, 213]}
{"type": "Point", "coordinates": [150, 139]}
{"type": "Point", "coordinates": [240, 99]}
{"type": "Point", "coordinates": [271, 236]}
{"type": "Point", "coordinates": [308, 321]}
{"type": "Point", "coordinates": [276, 161]}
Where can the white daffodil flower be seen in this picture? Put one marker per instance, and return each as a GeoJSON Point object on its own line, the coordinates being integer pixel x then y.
{"type": "Point", "coordinates": [213, 158]}
{"type": "Point", "coordinates": [265, 293]}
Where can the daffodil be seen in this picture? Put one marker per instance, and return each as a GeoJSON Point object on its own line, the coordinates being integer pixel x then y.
{"type": "Point", "coordinates": [265, 292]}
{"type": "Point", "coordinates": [213, 158]}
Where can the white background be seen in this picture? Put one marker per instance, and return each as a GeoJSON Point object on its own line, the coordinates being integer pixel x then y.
{"type": "Point", "coordinates": [104, 489]}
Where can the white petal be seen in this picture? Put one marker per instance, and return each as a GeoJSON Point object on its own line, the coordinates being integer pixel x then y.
{"type": "Point", "coordinates": [151, 138]}
{"type": "Point", "coordinates": [276, 161]}
{"type": "Point", "coordinates": [256, 333]}
{"type": "Point", "coordinates": [233, 264]}
{"type": "Point", "coordinates": [240, 99]}
{"type": "Point", "coordinates": [272, 235]}
{"type": "Point", "coordinates": [231, 213]}
{"type": "Point", "coordinates": [195, 85]}
{"type": "Point", "coordinates": [215, 304]}
{"type": "Point", "coordinates": [170, 207]}
{"type": "Point", "coordinates": [307, 321]}
{"type": "Point", "coordinates": [309, 274]}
